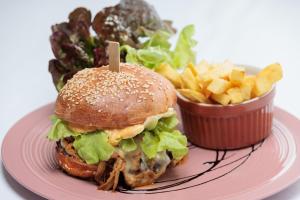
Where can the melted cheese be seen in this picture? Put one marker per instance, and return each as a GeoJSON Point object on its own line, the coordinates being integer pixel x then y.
{"type": "Point", "coordinates": [116, 135]}
{"type": "Point", "coordinates": [81, 129]}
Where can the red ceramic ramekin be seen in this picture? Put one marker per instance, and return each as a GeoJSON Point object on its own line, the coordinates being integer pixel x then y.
{"type": "Point", "coordinates": [227, 127]}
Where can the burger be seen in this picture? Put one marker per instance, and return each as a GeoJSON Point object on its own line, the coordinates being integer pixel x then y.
{"type": "Point", "coordinates": [117, 128]}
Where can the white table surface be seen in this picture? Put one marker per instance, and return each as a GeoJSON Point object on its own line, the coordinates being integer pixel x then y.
{"type": "Point", "coordinates": [249, 32]}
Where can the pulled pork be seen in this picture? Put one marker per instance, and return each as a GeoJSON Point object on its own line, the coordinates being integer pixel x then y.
{"type": "Point", "coordinates": [136, 169]}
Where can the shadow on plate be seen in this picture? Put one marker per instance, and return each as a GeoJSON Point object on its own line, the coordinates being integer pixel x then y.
{"type": "Point", "coordinates": [19, 189]}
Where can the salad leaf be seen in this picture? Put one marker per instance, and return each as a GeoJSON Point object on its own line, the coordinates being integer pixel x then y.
{"type": "Point", "coordinates": [164, 137]}
{"type": "Point", "coordinates": [157, 50]}
{"type": "Point", "coordinates": [158, 39]}
{"type": "Point", "coordinates": [174, 142]}
{"type": "Point", "coordinates": [71, 41]}
{"type": "Point", "coordinates": [168, 123]}
{"type": "Point", "coordinates": [128, 145]}
{"type": "Point", "coordinates": [183, 53]}
{"type": "Point", "coordinates": [149, 144]}
{"type": "Point", "coordinates": [151, 56]}
{"type": "Point", "coordinates": [80, 21]}
{"type": "Point", "coordinates": [126, 21]}
{"type": "Point", "coordinates": [59, 130]}
{"type": "Point", "coordinates": [93, 147]}
{"type": "Point", "coordinates": [130, 54]}
{"type": "Point", "coordinates": [75, 47]}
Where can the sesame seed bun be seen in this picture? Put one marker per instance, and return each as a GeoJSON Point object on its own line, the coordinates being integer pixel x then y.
{"type": "Point", "coordinates": [98, 98]}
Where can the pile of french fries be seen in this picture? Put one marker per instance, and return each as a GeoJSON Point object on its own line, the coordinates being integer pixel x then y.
{"type": "Point", "coordinates": [223, 83]}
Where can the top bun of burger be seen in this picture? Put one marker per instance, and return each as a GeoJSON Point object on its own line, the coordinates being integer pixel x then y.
{"type": "Point", "coordinates": [99, 98]}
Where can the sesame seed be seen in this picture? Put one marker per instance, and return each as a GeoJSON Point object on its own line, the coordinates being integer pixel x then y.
{"type": "Point", "coordinates": [90, 85]}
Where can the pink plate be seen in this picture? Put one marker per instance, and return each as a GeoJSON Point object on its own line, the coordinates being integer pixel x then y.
{"type": "Point", "coordinates": [251, 173]}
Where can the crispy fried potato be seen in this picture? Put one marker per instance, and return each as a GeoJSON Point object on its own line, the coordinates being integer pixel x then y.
{"type": "Point", "coordinates": [223, 99]}
{"type": "Point", "coordinates": [169, 73]}
{"type": "Point", "coordinates": [226, 69]}
{"type": "Point", "coordinates": [249, 80]}
{"type": "Point", "coordinates": [218, 86]}
{"type": "Point", "coordinates": [189, 80]}
{"type": "Point", "coordinates": [246, 91]}
{"type": "Point", "coordinates": [202, 83]}
{"type": "Point", "coordinates": [193, 69]}
{"type": "Point", "coordinates": [235, 95]}
{"type": "Point", "coordinates": [193, 95]}
{"type": "Point", "coordinates": [262, 86]}
{"type": "Point", "coordinates": [248, 84]}
{"type": "Point", "coordinates": [203, 87]}
{"type": "Point", "coordinates": [266, 78]}
{"type": "Point", "coordinates": [202, 67]}
{"type": "Point", "coordinates": [206, 93]}
{"type": "Point", "coordinates": [237, 77]}
{"type": "Point", "coordinates": [223, 83]}
{"type": "Point", "coordinates": [272, 73]}
{"type": "Point", "coordinates": [239, 68]}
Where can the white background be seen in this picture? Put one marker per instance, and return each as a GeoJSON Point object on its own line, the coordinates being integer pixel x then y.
{"type": "Point", "coordinates": [247, 32]}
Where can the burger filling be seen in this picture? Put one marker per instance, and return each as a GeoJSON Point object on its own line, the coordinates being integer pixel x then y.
{"type": "Point", "coordinates": [139, 153]}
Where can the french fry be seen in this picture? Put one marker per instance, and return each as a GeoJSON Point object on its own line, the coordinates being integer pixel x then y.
{"type": "Point", "coordinates": [266, 78]}
{"type": "Point", "coordinates": [223, 99]}
{"type": "Point", "coordinates": [200, 84]}
{"type": "Point", "coordinates": [189, 80]}
{"type": "Point", "coordinates": [240, 68]}
{"type": "Point", "coordinates": [223, 83]}
{"type": "Point", "coordinates": [272, 73]}
{"type": "Point", "coordinates": [193, 69]}
{"type": "Point", "coordinates": [206, 92]}
{"type": "Point", "coordinates": [262, 86]}
{"type": "Point", "coordinates": [203, 87]}
{"type": "Point", "coordinates": [235, 95]}
{"type": "Point", "coordinates": [218, 86]}
{"type": "Point", "coordinates": [193, 95]}
{"type": "Point", "coordinates": [246, 90]}
{"type": "Point", "coordinates": [237, 77]}
{"type": "Point", "coordinates": [249, 80]}
{"type": "Point", "coordinates": [202, 67]}
{"type": "Point", "coordinates": [214, 73]}
{"type": "Point", "coordinates": [226, 69]}
{"type": "Point", "coordinates": [169, 73]}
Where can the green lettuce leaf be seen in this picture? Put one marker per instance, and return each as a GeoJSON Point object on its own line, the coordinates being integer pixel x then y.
{"type": "Point", "coordinates": [164, 137]}
{"type": "Point", "coordinates": [174, 142]}
{"type": "Point", "coordinates": [131, 54]}
{"type": "Point", "coordinates": [152, 56]}
{"type": "Point", "coordinates": [158, 39]}
{"type": "Point", "coordinates": [151, 122]}
{"type": "Point", "coordinates": [128, 145]}
{"type": "Point", "coordinates": [148, 57]}
{"type": "Point", "coordinates": [157, 50]}
{"type": "Point", "coordinates": [168, 123]}
{"type": "Point", "coordinates": [183, 53]}
{"type": "Point", "coordinates": [149, 144]}
{"type": "Point", "coordinates": [93, 147]}
{"type": "Point", "coordinates": [59, 130]}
